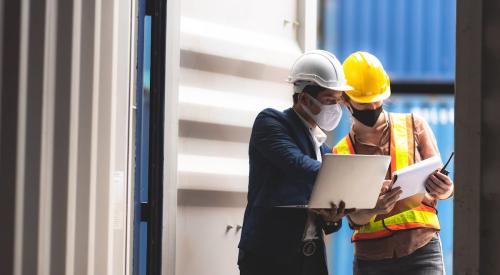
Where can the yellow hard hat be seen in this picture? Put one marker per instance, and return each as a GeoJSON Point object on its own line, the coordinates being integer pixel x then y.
{"type": "Point", "coordinates": [365, 74]}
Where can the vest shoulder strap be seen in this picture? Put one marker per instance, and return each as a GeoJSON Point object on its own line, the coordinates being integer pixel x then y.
{"type": "Point", "coordinates": [402, 140]}
{"type": "Point", "coordinates": [344, 146]}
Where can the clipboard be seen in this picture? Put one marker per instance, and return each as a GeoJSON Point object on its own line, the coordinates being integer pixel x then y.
{"type": "Point", "coordinates": [412, 180]}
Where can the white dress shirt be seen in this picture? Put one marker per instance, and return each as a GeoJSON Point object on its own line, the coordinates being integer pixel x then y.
{"type": "Point", "coordinates": [318, 137]}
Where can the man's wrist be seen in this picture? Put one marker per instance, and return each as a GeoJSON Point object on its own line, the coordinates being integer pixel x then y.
{"type": "Point", "coordinates": [446, 196]}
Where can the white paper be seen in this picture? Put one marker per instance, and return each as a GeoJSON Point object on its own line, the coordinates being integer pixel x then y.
{"type": "Point", "coordinates": [412, 178]}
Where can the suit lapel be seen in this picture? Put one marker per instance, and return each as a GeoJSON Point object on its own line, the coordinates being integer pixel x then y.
{"type": "Point", "coordinates": [301, 132]}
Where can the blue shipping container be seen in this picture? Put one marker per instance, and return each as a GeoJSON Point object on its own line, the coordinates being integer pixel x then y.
{"type": "Point", "coordinates": [438, 111]}
{"type": "Point", "coordinates": [415, 40]}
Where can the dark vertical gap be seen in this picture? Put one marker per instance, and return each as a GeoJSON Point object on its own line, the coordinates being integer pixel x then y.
{"type": "Point", "coordinates": [61, 135]}
{"type": "Point", "coordinates": [155, 169]}
{"type": "Point", "coordinates": [490, 135]}
{"type": "Point", "coordinates": [8, 128]}
{"type": "Point", "coordinates": [467, 252]}
{"type": "Point", "coordinates": [1, 54]}
{"type": "Point", "coordinates": [36, 49]}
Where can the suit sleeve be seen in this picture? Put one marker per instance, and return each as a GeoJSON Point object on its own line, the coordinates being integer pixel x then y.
{"type": "Point", "coordinates": [271, 138]}
{"type": "Point", "coordinates": [325, 149]}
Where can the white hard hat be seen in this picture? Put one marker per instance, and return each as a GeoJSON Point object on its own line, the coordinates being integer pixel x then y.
{"type": "Point", "coordinates": [318, 67]}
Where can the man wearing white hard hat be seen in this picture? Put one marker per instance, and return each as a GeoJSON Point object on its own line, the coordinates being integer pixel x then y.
{"type": "Point", "coordinates": [285, 153]}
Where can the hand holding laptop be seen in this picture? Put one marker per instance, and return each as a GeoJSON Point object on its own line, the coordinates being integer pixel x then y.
{"type": "Point", "coordinates": [386, 201]}
{"type": "Point", "coordinates": [334, 213]}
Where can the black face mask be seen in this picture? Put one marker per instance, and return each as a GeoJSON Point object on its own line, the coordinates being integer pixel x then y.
{"type": "Point", "coordinates": [367, 117]}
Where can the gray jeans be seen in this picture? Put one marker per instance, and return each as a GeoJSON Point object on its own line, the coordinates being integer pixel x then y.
{"type": "Point", "coordinates": [427, 260]}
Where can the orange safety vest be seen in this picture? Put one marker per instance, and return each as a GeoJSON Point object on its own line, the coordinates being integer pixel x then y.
{"type": "Point", "coordinates": [402, 150]}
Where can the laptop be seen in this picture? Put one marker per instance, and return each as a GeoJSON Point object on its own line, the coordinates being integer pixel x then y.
{"type": "Point", "coordinates": [354, 179]}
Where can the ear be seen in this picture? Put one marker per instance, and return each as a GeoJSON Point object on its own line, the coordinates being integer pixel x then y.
{"type": "Point", "coordinates": [303, 99]}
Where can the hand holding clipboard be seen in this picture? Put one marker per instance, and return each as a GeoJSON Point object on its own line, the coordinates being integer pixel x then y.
{"type": "Point", "coordinates": [414, 181]}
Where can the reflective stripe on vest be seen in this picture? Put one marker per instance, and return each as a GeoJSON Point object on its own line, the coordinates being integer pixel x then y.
{"type": "Point", "coordinates": [402, 150]}
{"type": "Point", "coordinates": [422, 216]}
{"type": "Point", "coordinates": [402, 141]}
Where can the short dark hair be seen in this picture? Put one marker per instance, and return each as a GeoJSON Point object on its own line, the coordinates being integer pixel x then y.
{"type": "Point", "coordinates": [312, 90]}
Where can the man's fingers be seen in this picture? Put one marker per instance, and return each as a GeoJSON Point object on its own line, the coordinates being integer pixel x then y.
{"type": "Point", "coordinates": [333, 207]}
{"type": "Point", "coordinates": [436, 181]}
{"type": "Point", "coordinates": [386, 183]}
{"type": "Point", "coordinates": [440, 182]}
{"type": "Point", "coordinates": [432, 190]}
{"type": "Point", "coordinates": [390, 204]}
{"type": "Point", "coordinates": [442, 177]}
{"type": "Point", "coordinates": [385, 186]}
{"type": "Point", "coordinates": [393, 202]}
{"type": "Point", "coordinates": [433, 182]}
{"type": "Point", "coordinates": [436, 184]}
{"type": "Point", "coordinates": [391, 191]}
{"type": "Point", "coordinates": [389, 199]}
{"type": "Point", "coordinates": [341, 207]}
{"type": "Point", "coordinates": [431, 186]}
{"type": "Point", "coordinates": [393, 194]}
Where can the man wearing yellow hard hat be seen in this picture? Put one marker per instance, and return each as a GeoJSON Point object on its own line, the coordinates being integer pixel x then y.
{"type": "Point", "coordinates": [392, 238]}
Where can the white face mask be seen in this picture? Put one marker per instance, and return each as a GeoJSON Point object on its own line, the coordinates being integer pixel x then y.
{"type": "Point", "coordinates": [329, 115]}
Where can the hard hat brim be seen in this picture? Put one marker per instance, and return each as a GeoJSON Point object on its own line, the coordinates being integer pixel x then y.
{"type": "Point", "coordinates": [320, 82]}
{"type": "Point", "coordinates": [370, 99]}
{"type": "Point", "coordinates": [342, 88]}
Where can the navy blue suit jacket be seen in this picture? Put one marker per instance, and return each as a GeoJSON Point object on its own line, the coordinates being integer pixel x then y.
{"type": "Point", "coordinates": [283, 168]}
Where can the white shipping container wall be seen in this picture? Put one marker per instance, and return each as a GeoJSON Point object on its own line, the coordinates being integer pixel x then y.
{"type": "Point", "coordinates": [66, 76]}
{"type": "Point", "coordinates": [234, 62]}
